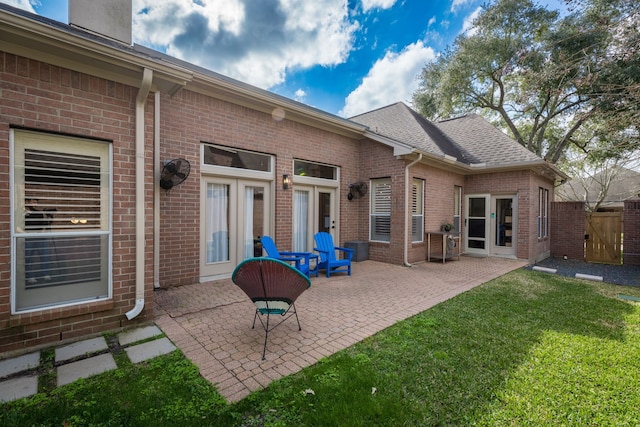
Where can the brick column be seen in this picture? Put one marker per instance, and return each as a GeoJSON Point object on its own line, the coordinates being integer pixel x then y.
{"type": "Point", "coordinates": [631, 232]}
{"type": "Point", "coordinates": [567, 230]}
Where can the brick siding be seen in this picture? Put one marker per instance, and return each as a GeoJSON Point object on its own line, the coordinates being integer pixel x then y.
{"type": "Point", "coordinates": [568, 229]}
{"type": "Point", "coordinates": [49, 98]}
{"type": "Point", "coordinates": [631, 231]}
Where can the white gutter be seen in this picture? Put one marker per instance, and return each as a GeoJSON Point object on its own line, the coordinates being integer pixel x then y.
{"type": "Point", "coordinates": [156, 194]}
{"type": "Point", "coordinates": [406, 204]}
{"type": "Point", "coordinates": [141, 100]}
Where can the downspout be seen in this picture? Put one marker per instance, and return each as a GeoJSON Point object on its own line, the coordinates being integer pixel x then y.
{"type": "Point", "coordinates": [156, 194]}
{"type": "Point", "coordinates": [406, 204]}
{"type": "Point", "coordinates": [141, 100]}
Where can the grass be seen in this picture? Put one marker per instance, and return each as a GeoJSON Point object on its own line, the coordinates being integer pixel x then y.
{"type": "Point", "coordinates": [526, 349]}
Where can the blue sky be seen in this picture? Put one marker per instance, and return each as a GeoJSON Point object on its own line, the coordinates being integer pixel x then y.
{"type": "Point", "coordinates": [345, 57]}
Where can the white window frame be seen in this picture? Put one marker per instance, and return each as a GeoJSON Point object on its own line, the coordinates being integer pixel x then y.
{"type": "Point", "coordinates": [417, 210]}
{"type": "Point", "coordinates": [76, 221]}
{"type": "Point", "coordinates": [457, 208]}
{"type": "Point", "coordinates": [543, 213]}
{"type": "Point", "coordinates": [380, 208]}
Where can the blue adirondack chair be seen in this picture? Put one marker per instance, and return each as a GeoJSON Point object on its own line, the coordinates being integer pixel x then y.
{"type": "Point", "coordinates": [302, 260]}
{"type": "Point", "coordinates": [328, 259]}
{"type": "Point", "coordinates": [273, 286]}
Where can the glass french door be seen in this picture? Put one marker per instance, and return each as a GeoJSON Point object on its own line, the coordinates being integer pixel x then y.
{"type": "Point", "coordinates": [477, 224]}
{"type": "Point", "coordinates": [234, 217]}
{"type": "Point", "coordinates": [314, 210]}
{"type": "Point", "coordinates": [503, 225]}
{"type": "Point", "coordinates": [491, 225]}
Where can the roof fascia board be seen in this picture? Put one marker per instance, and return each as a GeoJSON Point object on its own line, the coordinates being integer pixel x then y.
{"type": "Point", "coordinates": [399, 148]}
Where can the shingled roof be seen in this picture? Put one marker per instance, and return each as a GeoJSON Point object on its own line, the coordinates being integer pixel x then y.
{"type": "Point", "coordinates": [470, 138]}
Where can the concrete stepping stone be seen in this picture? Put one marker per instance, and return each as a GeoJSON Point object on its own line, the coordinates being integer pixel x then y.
{"type": "Point", "coordinates": [17, 388]}
{"type": "Point", "coordinates": [129, 337]}
{"type": "Point", "coordinates": [81, 348]}
{"type": "Point", "coordinates": [149, 350]}
{"type": "Point", "coordinates": [19, 364]}
{"type": "Point", "coordinates": [85, 368]}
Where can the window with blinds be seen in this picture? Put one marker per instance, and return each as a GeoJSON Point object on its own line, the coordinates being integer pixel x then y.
{"type": "Point", "coordinates": [61, 211]}
{"type": "Point", "coordinates": [543, 213]}
{"type": "Point", "coordinates": [380, 217]}
{"type": "Point", "coordinates": [417, 211]}
{"type": "Point", "coordinates": [457, 208]}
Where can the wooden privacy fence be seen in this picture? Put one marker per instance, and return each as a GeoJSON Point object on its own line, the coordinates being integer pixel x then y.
{"type": "Point", "coordinates": [603, 240]}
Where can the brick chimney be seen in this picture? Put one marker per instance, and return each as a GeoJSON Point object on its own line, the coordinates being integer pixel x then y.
{"type": "Point", "coordinates": [109, 18]}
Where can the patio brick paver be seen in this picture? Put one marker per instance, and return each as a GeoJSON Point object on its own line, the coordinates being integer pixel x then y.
{"type": "Point", "coordinates": [211, 322]}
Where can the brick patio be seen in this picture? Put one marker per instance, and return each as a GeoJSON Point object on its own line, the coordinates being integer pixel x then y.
{"type": "Point", "coordinates": [211, 322]}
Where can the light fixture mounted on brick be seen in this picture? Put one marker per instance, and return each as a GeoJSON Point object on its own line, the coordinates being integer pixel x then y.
{"type": "Point", "coordinates": [286, 181]}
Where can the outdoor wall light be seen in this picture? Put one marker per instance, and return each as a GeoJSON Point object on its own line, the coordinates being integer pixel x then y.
{"type": "Point", "coordinates": [286, 181]}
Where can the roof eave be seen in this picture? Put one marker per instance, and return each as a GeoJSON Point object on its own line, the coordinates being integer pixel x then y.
{"type": "Point", "coordinates": [38, 41]}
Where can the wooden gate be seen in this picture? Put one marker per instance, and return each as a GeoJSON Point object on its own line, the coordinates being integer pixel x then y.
{"type": "Point", "coordinates": [604, 237]}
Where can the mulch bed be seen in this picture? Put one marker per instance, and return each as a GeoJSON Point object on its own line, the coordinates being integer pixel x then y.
{"type": "Point", "coordinates": [628, 275]}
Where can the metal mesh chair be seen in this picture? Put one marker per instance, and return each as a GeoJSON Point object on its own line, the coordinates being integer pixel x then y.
{"type": "Point", "coordinates": [273, 286]}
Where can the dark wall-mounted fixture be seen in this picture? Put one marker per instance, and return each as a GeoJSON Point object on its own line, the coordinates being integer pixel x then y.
{"type": "Point", "coordinates": [357, 190]}
{"type": "Point", "coordinates": [286, 181]}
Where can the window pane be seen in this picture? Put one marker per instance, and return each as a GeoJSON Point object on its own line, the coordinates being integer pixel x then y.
{"type": "Point", "coordinates": [417, 227]}
{"type": "Point", "coordinates": [381, 228]}
{"type": "Point", "coordinates": [62, 191]}
{"type": "Point", "coordinates": [61, 270]}
{"type": "Point", "coordinates": [314, 170]}
{"type": "Point", "coordinates": [234, 158]}
{"type": "Point", "coordinates": [477, 206]}
{"type": "Point", "coordinates": [217, 222]}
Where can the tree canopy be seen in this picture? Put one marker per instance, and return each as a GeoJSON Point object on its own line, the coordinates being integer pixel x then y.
{"type": "Point", "coordinates": [557, 84]}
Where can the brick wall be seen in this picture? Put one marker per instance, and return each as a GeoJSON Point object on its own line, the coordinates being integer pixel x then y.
{"type": "Point", "coordinates": [567, 230]}
{"type": "Point", "coordinates": [43, 97]}
{"type": "Point", "coordinates": [189, 118]}
{"type": "Point", "coordinates": [524, 185]}
{"type": "Point", "coordinates": [631, 231]}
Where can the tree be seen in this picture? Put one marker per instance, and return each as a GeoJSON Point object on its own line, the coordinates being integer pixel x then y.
{"type": "Point", "coordinates": [554, 83]}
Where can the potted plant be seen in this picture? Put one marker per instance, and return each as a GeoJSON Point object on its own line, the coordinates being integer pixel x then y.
{"type": "Point", "coordinates": [446, 227]}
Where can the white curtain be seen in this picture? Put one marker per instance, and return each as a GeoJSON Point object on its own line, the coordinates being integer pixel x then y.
{"type": "Point", "coordinates": [300, 220]}
{"type": "Point", "coordinates": [248, 222]}
{"type": "Point", "coordinates": [217, 226]}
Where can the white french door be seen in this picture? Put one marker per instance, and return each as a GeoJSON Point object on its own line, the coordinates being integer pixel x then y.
{"type": "Point", "coordinates": [234, 217]}
{"type": "Point", "coordinates": [477, 224]}
{"type": "Point", "coordinates": [491, 225]}
{"type": "Point", "coordinates": [503, 225]}
{"type": "Point", "coordinates": [314, 210]}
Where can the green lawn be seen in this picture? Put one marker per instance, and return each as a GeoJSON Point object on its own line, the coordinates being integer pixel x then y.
{"type": "Point", "coordinates": [526, 349]}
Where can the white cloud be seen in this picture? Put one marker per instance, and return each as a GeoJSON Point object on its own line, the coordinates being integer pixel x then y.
{"type": "Point", "coordinates": [467, 25]}
{"type": "Point", "coordinates": [253, 41]}
{"type": "Point", "coordinates": [458, 4]}
{"type": "Point", "coordinates": [391, 79]}
{"type": "Point", "coordinates": [367, 5]}
{"type": "Point", "coordinates": [300, 95]}
{"type": "Point", "coordinates": [431, 21]}
{"type": "Point", "coordinates": [21, 4]}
